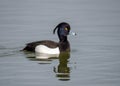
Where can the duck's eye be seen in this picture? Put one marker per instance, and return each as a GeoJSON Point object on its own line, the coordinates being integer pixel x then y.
{"type": "Point", "coordinates": [66, 29]}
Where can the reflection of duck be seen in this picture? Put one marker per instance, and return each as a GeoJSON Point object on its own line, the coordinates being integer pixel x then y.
{"type": "Point", "coordinates": [51, 47]}
{"type": "Point", "coordinates": [63, 71]}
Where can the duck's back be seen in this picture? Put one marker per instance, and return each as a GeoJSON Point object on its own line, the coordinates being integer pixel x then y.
{"type": "Point", "coordinates": [50, 44]}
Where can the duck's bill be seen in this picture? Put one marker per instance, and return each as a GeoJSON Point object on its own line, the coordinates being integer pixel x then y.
{"type": "Point", "coordinates": [73, 33]}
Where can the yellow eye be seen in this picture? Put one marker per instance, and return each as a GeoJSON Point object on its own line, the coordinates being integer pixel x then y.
{"type": "Point", "coordinates": [66, 28]}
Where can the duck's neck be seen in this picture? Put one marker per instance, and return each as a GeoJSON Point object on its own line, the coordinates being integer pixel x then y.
{"type": "Point", "coordinates": [63, 38]}
{"type": "Point", "coordinates": [64, 44]}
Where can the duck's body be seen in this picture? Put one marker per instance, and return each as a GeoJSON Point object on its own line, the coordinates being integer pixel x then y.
{"type": "Point", "coordinates": [31, 46]}
{"type": "Point", "coordinates": [51, 47]}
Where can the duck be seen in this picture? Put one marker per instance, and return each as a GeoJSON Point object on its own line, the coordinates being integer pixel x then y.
{"type": "Point", "coordinates": [52, 47]}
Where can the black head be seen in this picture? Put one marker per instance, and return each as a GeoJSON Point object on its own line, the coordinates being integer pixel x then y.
{"type": "Point", "coordinates": [63, 30]}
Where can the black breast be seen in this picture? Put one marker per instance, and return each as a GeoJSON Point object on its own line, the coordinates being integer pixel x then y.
{"type": "Point", "coordinates": [64, 46]}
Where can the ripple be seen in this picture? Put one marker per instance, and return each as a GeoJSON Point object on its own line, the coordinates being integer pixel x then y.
{"type": "Point", "coordinates": [4, 51]}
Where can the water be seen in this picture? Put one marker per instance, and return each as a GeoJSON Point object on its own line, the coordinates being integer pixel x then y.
{"type": "Point", "coordinates": [95, 51]}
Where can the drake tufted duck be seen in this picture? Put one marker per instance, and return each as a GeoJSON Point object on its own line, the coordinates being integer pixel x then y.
{"type": "Point", "coordinates": [51, 47]}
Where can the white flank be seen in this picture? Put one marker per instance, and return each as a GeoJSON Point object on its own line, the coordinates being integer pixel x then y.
{"type": "Point", "coordinates": [46, 50]}
{"type": "Point", "coordinates": [46, 56]}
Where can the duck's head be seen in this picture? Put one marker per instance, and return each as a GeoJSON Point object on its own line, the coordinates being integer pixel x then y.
{"type": "Point", "coordinates": [63, 30]}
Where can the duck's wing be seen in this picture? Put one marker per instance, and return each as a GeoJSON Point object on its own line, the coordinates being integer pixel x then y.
{"type": "Point", "coordinates": [31, 46]}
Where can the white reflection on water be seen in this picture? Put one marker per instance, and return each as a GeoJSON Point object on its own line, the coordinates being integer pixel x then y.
{"type": "Point", "coordinates": [62, 70]}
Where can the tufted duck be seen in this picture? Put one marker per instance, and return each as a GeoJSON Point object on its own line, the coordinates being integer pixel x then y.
{"type": "Point", "coordinates": [51, 47]}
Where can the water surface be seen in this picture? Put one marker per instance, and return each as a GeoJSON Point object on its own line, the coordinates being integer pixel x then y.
{"type": "Point", "coordinates": [95, 51]}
